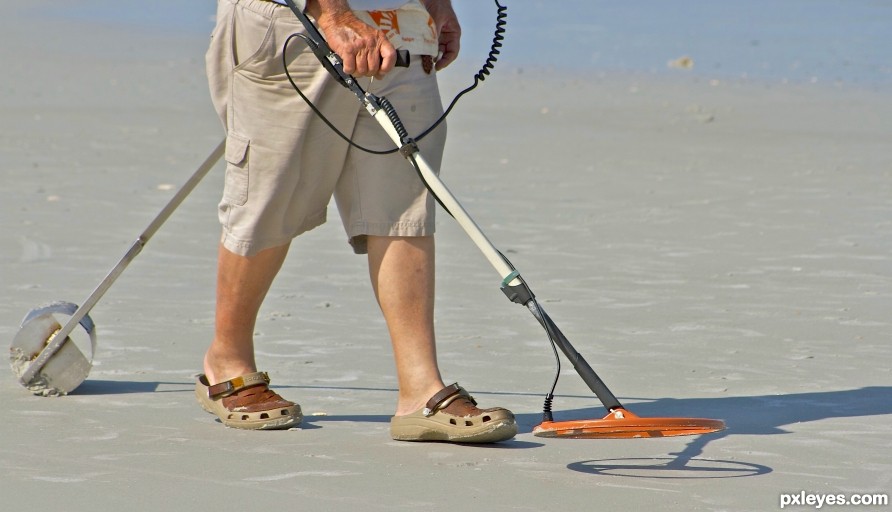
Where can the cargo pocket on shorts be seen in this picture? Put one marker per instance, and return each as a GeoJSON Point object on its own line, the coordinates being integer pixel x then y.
{"type": "Point", "coordinates": [235, 187]}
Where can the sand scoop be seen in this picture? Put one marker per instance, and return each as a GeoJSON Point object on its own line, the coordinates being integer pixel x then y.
{"type": "Point", "coordinates": [47, 355]}
{"type": "Point", "coordinates": [619, 422]}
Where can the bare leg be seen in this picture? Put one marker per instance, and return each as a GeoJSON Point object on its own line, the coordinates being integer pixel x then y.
{"type": "Point", "coordinates": [242, 284]}
{"type": "Point", "coordinates": [402, 274]}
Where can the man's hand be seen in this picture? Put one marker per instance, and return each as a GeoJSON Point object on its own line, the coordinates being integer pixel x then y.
{"type": "Point", "coordinates": [364, 50]}
{"type": "Point", "coordinates": [448, 29]}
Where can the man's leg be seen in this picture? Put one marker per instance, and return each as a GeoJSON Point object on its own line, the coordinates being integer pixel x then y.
{"type": "Point", "coordinates": [242, 284]}
{"type": "Point", "coordinates": [402, 274]}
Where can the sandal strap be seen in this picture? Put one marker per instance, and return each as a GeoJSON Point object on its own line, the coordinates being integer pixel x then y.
{"type": "Point", "coordinates": [444, 397]}
{"type": "Point", "coordinates": [237, 384]}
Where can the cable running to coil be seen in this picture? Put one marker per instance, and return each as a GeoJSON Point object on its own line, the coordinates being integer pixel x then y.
{"type": "Point", "coordinates": [538, 313]}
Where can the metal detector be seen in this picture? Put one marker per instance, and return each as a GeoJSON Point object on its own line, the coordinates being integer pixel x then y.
{"type": "Point", "coordinates": [619, 422]}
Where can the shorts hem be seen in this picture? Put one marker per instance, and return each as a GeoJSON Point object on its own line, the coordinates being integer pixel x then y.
{"type": "Point", "coordinates": [361, 230]}
{"type": "Point", "coordinates": [249, 248]}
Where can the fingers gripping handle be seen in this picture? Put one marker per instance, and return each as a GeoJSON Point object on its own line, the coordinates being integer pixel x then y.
{"type": "Point", "coordinates": [330, 60]}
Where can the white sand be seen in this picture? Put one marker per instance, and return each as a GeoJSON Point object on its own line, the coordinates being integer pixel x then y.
{"type": "Point", "coordinates": [719, 250]}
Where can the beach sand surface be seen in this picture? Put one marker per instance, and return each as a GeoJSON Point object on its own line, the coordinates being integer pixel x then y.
{"type": "Point", "coordinates": [714, 247]}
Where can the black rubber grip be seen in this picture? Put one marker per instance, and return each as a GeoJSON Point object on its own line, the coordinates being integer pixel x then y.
{"type": "Point", "coordinates": [402, 58]}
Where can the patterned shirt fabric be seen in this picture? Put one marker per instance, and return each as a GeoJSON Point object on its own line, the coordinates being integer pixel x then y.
{"type": "Point", "coordinates": [410, 27]}
{"type": "Point", "coordinates": [406, 22]}
{"type": "Point", "coordinates": [367, 5]}
{"type": "Point", "coordinates": [376, 5]}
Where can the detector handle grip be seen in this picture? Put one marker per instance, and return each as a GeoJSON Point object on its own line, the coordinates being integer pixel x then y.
{"type": "Point", "coordinates": [330, 60]}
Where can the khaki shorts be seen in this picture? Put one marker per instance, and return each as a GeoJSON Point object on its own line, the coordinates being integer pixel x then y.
{"type": "Point", "coordinates": [284, 164]}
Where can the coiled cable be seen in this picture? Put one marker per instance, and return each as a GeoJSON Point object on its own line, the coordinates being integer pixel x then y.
{"type": "Point", "coordinates": [488, 65]}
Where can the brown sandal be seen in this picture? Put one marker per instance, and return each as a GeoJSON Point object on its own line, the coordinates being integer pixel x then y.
{"type": "Point", "coordinates": [247, 402]}
{"type": "Point", "coordinates": [452, 415]}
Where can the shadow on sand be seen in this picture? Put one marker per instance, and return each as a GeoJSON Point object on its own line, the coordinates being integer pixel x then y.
{"type": "Point", "coordinates": [743, 415]}
{"type": "Point", "coordinates": [92, 387]}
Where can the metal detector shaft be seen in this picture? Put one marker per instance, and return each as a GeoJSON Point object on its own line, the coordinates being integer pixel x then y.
{"type": "Point", "coordinates": [453, 206]}
{"type": "Point", "coordinates": [581, 366]}
{"type": "Point", "coordinates": [510, 277]}
{"type": "Point", "coordinates": [59, 339]}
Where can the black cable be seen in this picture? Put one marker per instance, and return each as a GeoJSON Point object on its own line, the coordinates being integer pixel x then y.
{"type": "Point", "coordinates": [316, 110]}
{"type": "Point", "coordinates": [537, 312]}
{"type": "Point", "coordinates": [488, 65]}
{"type": "Point", "coordinates": [546, 406]}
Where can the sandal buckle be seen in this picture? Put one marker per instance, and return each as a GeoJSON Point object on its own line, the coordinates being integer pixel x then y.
{"type": "Point", "coordinates": [231, 386]}
{"type": "Point", "coordinates": [442, 399]}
